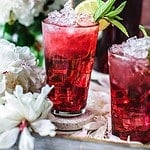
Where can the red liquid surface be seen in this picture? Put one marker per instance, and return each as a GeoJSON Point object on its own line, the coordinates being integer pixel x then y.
{"type": "Point", "coordinates": [130, 99]}
{"type": "Point", "coordinates": [69, 56]}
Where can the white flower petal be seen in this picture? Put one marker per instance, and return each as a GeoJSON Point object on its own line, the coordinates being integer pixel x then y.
{"type": "Point", "coordinates": [46, 108]}
{"type": "Point", "coordinates": [26, 141]}
{"type": "Point", "coordinates": [2, 101]}
{"type": "Point", "coordinates": [8, 138]}
{"type": "Point", "coordinates": [8, 119]}
{"type": "Point", "coordinates": [2, 83]}
{"type": "Point", "coordinates": [92, 126]}
{"type": "Point", "coordinates": [99, 134]}
{"type": "Point", "coordinates": [6, 124]}
{"type": "Point", "coordinates": [15, 104]}
{"type": "Point", "coordinates": [7, 55]}
{"type": "Point", "coordinates": [22, 103]}
{"type": "Point", "coordinates": [42, 96]}
{"type": "Point", "coordinates": [5, 8]}
{"type": "Point", "coordinates": [44, 127]}
{"type": "Point", "coordinates": [80, 134]}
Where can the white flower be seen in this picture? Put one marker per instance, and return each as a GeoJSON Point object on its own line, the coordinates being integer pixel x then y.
{"type": "Point", "coordinates": [22, 10]}
{"type": "Point", "coordinates": [24, 113]}
{"type": "Point", "coordinates": [18, 65]}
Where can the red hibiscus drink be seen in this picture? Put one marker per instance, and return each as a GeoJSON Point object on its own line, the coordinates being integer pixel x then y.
{"type": "Point", "coordinates": [129, 66]}
{"type": "Point", "coordinates": [69, 49]}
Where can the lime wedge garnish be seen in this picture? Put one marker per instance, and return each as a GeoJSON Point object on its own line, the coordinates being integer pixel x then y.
{"type": "Point", "coordinates": [103, 13]}
{"type": "Point", "coordinates": [89, 7]}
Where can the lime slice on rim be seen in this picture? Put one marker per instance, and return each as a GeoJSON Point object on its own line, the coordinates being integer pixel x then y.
{"type": "Point", "coordinates": [89, 7]}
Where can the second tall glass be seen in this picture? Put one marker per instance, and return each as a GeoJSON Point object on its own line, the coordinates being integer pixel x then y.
{"type": "Point", "coordinates": [129, 67]}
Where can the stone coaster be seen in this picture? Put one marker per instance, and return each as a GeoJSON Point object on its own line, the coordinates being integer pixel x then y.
{"type": "Point", "coordinates": [72, 124]}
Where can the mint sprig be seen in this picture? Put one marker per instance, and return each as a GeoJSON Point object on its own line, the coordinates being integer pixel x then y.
{"type": "Point", "coordinates": [106, 10]}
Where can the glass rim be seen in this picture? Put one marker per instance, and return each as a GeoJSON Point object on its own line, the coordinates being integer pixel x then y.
{"type": "Point", "coordinates": [110, 52]}
{"type": "Point", "coordinates": [72, 26]}
{"type": "Point", "coordinates": [121, 56]}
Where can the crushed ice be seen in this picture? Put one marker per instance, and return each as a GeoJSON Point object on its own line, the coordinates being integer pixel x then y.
{"type": "Point", "coordinates": [134, 47]}
{"type": "Point", "coordinates": [68, 17]}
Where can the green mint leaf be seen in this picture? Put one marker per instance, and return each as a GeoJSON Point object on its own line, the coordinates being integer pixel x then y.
{"type": "Point", "coordinates": [143, 30]}
{"type": "Point", "coordinates": [117, 11]}
{"type": "Point", "coordinates": [118, 25]}
{"type": "Point", "coordinates": [103, 9]}
{"type": "Point", "coordinates": [100, 2]}
{"type": "Point", "coordinates": [99, 11]}
{"type": "Point", "coordinates": [118, 18]}
{"type": "Point", "coordinates": [106, 10]}
{"type": "Point", "coordinates": [109, 5]}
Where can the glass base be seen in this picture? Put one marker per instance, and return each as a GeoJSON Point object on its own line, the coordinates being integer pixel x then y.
{"type": "Point", "coordinates": [67, 114]}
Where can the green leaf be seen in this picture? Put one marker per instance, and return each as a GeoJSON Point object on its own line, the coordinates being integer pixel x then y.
{"type": "Point", "coordinates": [109, 5]}
{"type": "Point", "coordinates": [106, 10]}
{"type": "Point", "coordinates": [143, 30]}
{"type": "Point", "coordinates": [118, 18]}
{"type": "Point", "coordinates": [100, 2]}
{"type": "Point", "coordinates": [99, 11]}
{"type": "Point", "coordinates": [10, 28]}
{"type": "Point", "coordinates": [103, 9]}
{"type": "Point", "coordinates": [36, 27]}
{"type": "Point", "coordinates": [117, 11]}
{"type": "Point", "coordinates": [119, 26]}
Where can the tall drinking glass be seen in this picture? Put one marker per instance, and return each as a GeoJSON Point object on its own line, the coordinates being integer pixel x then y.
{"type": "Point", "coordinates": [129, 66]}
{"type": "Point", "coordinates": [69, 56]}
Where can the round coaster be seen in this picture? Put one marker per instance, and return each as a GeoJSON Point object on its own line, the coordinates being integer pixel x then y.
{"type": "Point", "coordinates": [72, 123]}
